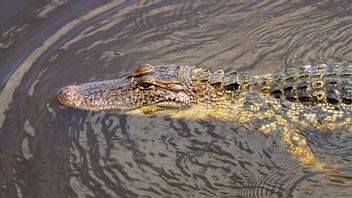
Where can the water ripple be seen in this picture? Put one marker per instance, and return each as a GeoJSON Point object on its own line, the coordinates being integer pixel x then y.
{"type": "Point", "coordinates": [46, 149]}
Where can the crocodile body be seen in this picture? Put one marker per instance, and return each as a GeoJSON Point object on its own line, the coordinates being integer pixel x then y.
{"type": "Point", "coordinates": [289, 101]}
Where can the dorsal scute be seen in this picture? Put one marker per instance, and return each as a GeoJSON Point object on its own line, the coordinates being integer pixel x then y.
{"type": "Point", "coordinates": [217, 79]}
{"type": "Point", "coordinates": [273, 84]}
{"type": "Point", "coordinates": [244, 80]}
{"type": "Point", "coordinates": [232, 81]}
{"type": "Point", "coordinates": [266, 83]}
{"type": "Point", "coordinates": [303, 85]}
{"type": "Point", "coordinates": [236, 82]}
{"type": "Point", "coordinates": [346, 92]}
{"type": "Point", "coordinates": [184, 74]}
{"type": "Point", "coordinates": [346, 71]}
{"type": "Point", "coordinates": [333, 96]}
{"type": "Point", "coordinates": [255, 82]}
{"type": "Point", "coordinates": [322, 83]}
{"type": "Point", "coordinates": [200, 74]}
{"type": "Point", "coordinates": [304, 72]}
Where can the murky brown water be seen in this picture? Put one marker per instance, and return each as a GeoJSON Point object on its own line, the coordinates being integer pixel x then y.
{"type": "Point", "coordinates": [47, 150]}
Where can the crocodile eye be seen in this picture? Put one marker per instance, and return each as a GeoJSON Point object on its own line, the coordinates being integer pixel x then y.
{"type": "Point", "coordinates": [144, 85]}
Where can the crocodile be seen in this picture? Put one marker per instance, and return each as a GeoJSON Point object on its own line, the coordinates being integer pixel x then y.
{"type": "Point", "coordinates": [289, 101]}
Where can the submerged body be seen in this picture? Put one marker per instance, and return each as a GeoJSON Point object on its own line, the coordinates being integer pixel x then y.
{"type": "Point", "coordinates": [289, 101]}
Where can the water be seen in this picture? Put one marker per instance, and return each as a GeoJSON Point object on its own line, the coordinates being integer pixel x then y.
{"type": "Point", "coordinates": [47, 150]}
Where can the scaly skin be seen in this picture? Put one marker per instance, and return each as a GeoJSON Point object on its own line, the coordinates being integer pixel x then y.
{"type": "Point", "coordinates": [289, 101]}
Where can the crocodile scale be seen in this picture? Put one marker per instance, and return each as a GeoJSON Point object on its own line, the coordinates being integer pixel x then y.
{"type": "Point", "coordinates": [308, 84]}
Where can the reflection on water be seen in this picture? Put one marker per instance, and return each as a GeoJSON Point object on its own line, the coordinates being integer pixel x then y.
{"type": "Point", "coordinates": [47, 150]}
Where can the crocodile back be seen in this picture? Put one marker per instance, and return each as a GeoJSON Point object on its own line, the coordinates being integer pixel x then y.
{"type": "Point", "coordinates": [311, 85]}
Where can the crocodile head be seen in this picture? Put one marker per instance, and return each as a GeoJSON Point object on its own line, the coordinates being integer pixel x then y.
{"type": "Point", "coordinates": [149, 88]}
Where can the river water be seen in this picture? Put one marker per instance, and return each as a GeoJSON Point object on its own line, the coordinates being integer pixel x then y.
{"type": "Point", "coordinates": [47, 150]}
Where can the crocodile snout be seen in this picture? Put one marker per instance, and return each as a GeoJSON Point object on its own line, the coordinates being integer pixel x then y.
{"type": "Point", "coordinates": [69, 96]}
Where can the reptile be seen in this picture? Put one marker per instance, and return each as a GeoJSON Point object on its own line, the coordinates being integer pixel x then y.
{"type": "Point", "coordinates": [289, 101]}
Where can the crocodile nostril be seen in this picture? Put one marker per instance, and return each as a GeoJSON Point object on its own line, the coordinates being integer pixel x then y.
{"type": "Point", "coordinates": [67, 95]}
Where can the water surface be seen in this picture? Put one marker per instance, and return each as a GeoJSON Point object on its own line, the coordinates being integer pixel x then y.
{"type": "Point", "coordinates": [47, 150]}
